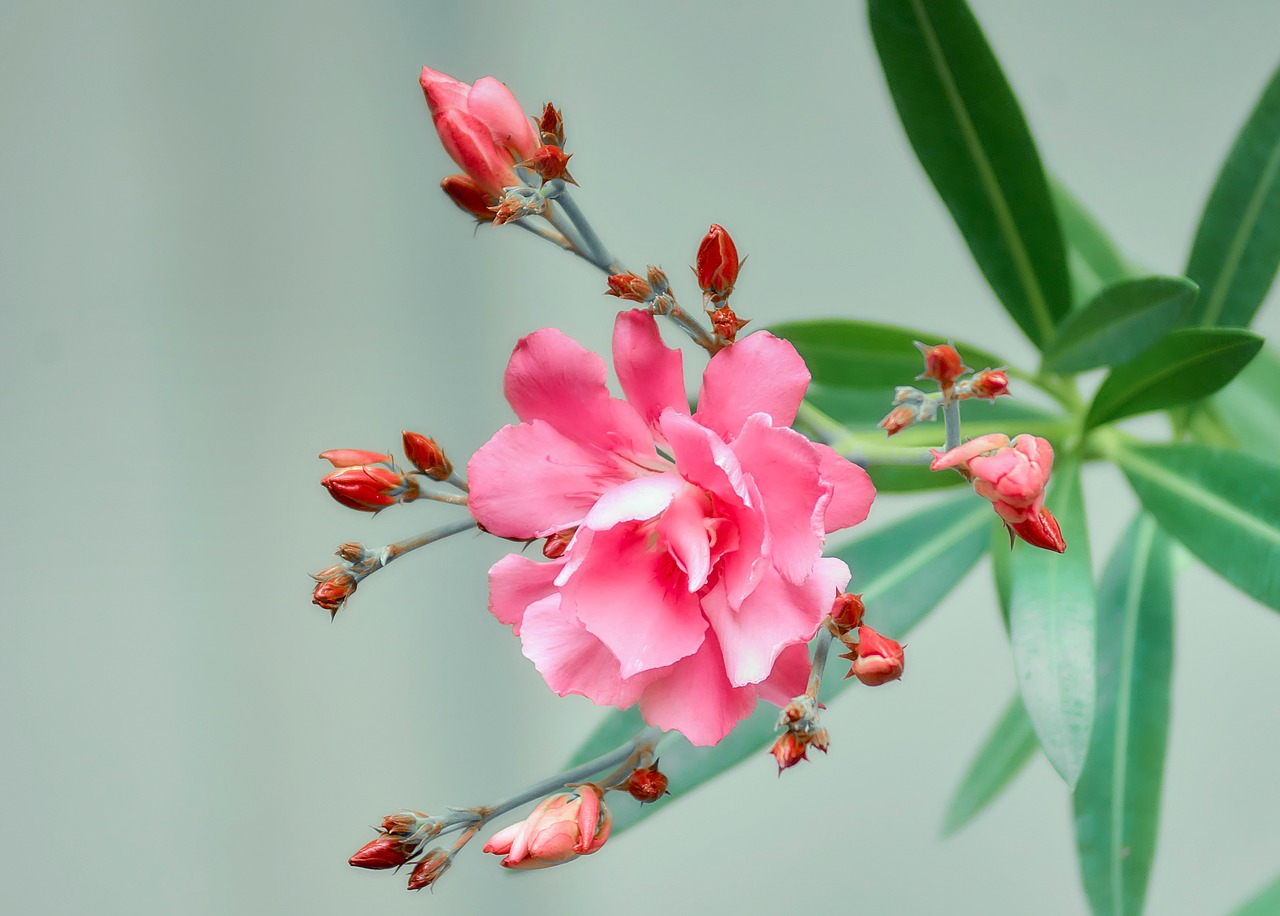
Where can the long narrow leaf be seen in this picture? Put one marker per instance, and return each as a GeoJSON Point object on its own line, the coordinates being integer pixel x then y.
{"type": "Point", "coordinates": [1117, 801]}
{"type": "Point", "coordinates": [903, 570]}
{"type": "Point", "coordinates": [1093, 261]}
{"type": "Point", "coordinates": [1266, 902]}
{"type": "Point", "coordinates": [1250, 405]}
{"type": "Point", "coordinates": [1052, 619]}
{"type": "Point", "coordinates": [1237, 247]}
{"type": "Point", "coordinates": [969, 134]}
{"type": "Point", "coordinates": [1224, 506]}
{"type": "Point", "coordinates": [1005, 752]}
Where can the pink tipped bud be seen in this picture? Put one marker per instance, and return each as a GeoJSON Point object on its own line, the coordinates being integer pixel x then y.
{"type": "Point", "coordinates": [469, 197]}
{"type": "Point", "coordinates": [898, 419]}
{"type": "Point", "coordinates": [561, 828]}
{"type": "Point", "coordinates": [717, 264]}
{"type": "Point", "coordinates": [646, 784]}
{"type": "Point", "coordinates": [629, 287]}
{"type": "Point", "coordinates": [333, 587]}
{"type": "Point", "coordinates": [876, 659]}
{"type": "Point", "coordinates": [789, 750]}
{"type": "Point", "coordinates": [847, 611]}
{"type": "Point", "coordinates": [550, 162]}
{"type": "Point", "coordinates": [426, 455]}
{"type": "Point", "coordinates": [434, 864]}
{"type": "Point", "coordinates": [942, 364]}
{"type": "Point", "coordinates": [384, 852]}
{"type": "Point", "coordinates": [989, 384]}
{"type": "Point", "coordinates": [726, 324]}
{"type": "Point", "coordinates": [353, 457]}
{"type": "Point", "coordinates": [551, 125]}
{"type": "Point", "coordinates": [370, 487]}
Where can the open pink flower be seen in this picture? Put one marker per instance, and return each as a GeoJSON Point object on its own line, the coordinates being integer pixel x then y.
{"type": "Point", "coordinates": [695, 575]}
{"type": "Point", "coordinates": [481, 127]}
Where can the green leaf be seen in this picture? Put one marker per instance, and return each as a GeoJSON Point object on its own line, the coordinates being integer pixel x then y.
{"type": "Point", "coordinates": [1002, 569]}
{"type": "Point", "coordinates": [861, 354]}
{"type": "Point", "coordinates": [1004, 753]}
{"type": "Point", "coordinates": [1223, 505]}
{"type": "Point", "coordinates": [1093, 261]}
{"type": "Point", "coordinates": [859, 410]}
{"type": "Point", "coordinates": [1117, 801]}
{"type": "Point", "coordinates": [903, 569]}
{"type": "Point", "coordinates": [1266, 902]}
{"type": "Point", "coordinates": [967, 130]}
{"type": "Point", "coordinates": [890, 478]}
{"type": "Point", "coordinates": [1237, 247]}
{"type": "Point", "coordinates": [1185, 366]}
{"type": "Point", "coordinates": [1119, 323]}
{"type": "Point", "coordinates": [1052, 617]}
{"type": "Point", "coordinates": [1250, 408]}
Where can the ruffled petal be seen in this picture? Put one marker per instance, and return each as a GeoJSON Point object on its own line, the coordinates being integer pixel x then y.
{"type": "Point", "coordinates": [571, 660]}
{"type": "Point", "coordinates": [784, 467]}
{"type": "Point", "coordinates": [757, 374]}
{"type": "Point", "coordinates": [651, 373]}
{"type": "Point", "coordinates": [696, 699]}
{"type": "Point", "coordinates": [530, 481]}
{"type": "Point", "coordinates": [492, 102]}
{"type": "Point", "coordinates": [789, 678]}
{"type": "Point", "coordinates": [515, 582]}
{"type": "Point", "coordinates": [852, 491]}
{"type": "Point", "coordinates": [634, 501]}
{"type": "Point", "coordinates": [683, 531]}
{"type": "Point", "coordinates": [469, 143]}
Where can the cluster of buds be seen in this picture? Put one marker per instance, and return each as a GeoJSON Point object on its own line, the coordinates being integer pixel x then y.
{"type": "Point", "coordinates": [943, 364]}
{"type": "Point", "coordinates": [337, 583]}
{"type": "Point", "coordinates": [910, 406]}
{"type": "Point", "coordinates": [800, 719]}
{"type": "Point", "coordinates": [400, 840]}
{"type": "Point", "coordinates": [1012, 474]}
{"type": "Point", "coordinates": [652, 290]}
{"type": "Point", "coordinates": [716, 268]}
{"type": "Point", "coordinates": [371, 481]}
{"type": "Point", "coordinates": [560, 828]}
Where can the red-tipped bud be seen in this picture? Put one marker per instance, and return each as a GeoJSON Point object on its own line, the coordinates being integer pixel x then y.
{"type": "Point", "coordinates": [898, 419]}
{"type": "Point", "coordinates": [646, 784]}
{"type": "Point", "coordinates": [726, 324]}
{"type": "Point", "coordinates": [847, 611]}
{"type": "Point", "coordinates": [384, 852]}
{"type": "Point", "coordinates": [629, 287]}
{"type": "Point", "coordinates": [426, 455]}
{"type": "Point", "coordinates": [717, 264]}
{"type": "Point", "coordinates": [469, 197]}
{"type": "Point", "coordinates": [353, 457]}
{"type": "Point", "coordinates": [370, 487]}
{"type": "Point", "coordinates": [789, 750]}
{"type": "Point", "coordinates": [352, 552]}
{"type": "Point", "coordinates": [550, 162]}
{"type": "Point", "coordinates": [657, 278]}
{"type": "Point", "coordinates": [551, 125]}
{"type": "Point", "coordinates": [942, 364]}
{"type": "Point", "coordinates": [558, 543]}
{"type": "Point", "coordinates": [1040, 529]}
{"type": "Point", "coordinates": [876, 659]}
{"type": "Point", "coordinates": [989, 384]}
{"type": "Point", "coordinates": [333, 587]}
{"type": "Point", "coordinates": [434, 864]}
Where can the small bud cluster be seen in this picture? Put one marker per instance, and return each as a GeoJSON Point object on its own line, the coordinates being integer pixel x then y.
{"type": "Point", "coordinates": [372, 481]}
{"type": "Point", "coordinates": [800, 719]}
{"type": "Point", "coordinates": [942, 363]}
{"type": "Point", "coordinates": [400, 840]}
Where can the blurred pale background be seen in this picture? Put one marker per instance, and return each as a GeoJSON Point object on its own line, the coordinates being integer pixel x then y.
{"type": "Point", "coordinates": [223, 250]}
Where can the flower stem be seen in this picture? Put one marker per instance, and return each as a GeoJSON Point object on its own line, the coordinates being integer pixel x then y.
{"type": "Point", "coordinates": [400, 548]}
{"type": "Point", "coordinates": [602, 258]}
{"type": "Point", "coordinates": [825, 638]}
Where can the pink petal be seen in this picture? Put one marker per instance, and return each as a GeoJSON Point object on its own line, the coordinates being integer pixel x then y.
{"type": "Point", "coordinates": [966, 451]}
{"type": "Point", "coordinates": [683, 531]}
{"type": "Point", "coordinates": [633, 599]}
{"type": "Point", "coordinates": [530, 481]}
{"type": "Point", "coordinates": [757, 374]}
{"type": "Point", "coordinates": [634, 501]}
{"type": "Point", "coordinates": [501, 842]}
{"type": "Point", "coordinates": [696, 699]}
{"type": "Point", "coordinates": [852, 491]}
{"type": "Point", "coordinates": [442, 91]}
{"type": "Point", "coordinates": [784, 467]}
{"type": "Point", "coordinates": [776, 615]}
{"type": "Point", "coordinates": [572, 661]}
{"type": "Point", "coordinates": [554, 378]}
{"type": "Point", "coordinates": [650, 372]}
{"type": "Point", "coordinates": [789, 678]}
{"type": "Point", "coordinates": [492, 102]}
{"type": "Point", "coordinates": [469, 144]}
{"type": "Point", "coordinates": [515, 582]}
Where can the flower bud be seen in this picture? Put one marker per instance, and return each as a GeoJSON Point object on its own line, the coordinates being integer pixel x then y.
{"type": "Point", "coordinates": [434, 864]}
{"type": "Point", "coordinates": [385, 852]}
{"type": "Point", "coordinates": [469, 197]}
{"type": "Point", "coordinates": [789, 750]}
{"type": "Point", "coordinates": [426, 455]}
{"type": "Point", "coordinates": [717, 264]}
{"type": "Point", "coordinates": [551, 126]}
{"type": "Point", "coordinates": [657, 279]}
{"type": "Point", "coordinates": [646, 784]}
{"type": "Point", "coordinates": [550, 162]}
{"type": "Point", "coordinates": [1039, 529]}
{"type": "Point", "coordinates": [353, 457]}
{"type": "Point", "coordinates": [942, 364]}
{"type": "Point", "coordinates": [333, 587]}
{"type": "Point", "coordinates": [561, 828]}
{"type": "Point", "coordinates": [629, 287]}
{"type": "Point", "coordinates": [876, 659]}
{"type": "Point", "coordinates": [370, 487]}
{"type": "Point", "coordinates": [989, 384]}
{"type": "Point", "coordinates": [558, 543]}
{"type": "Point", "coordinates": [726, 324]}
{"type": "Point", "coordinates": [847, 611]}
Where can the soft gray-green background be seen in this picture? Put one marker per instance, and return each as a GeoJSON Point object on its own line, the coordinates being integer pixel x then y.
{"type": "Point", "coordinates": [222, 250]}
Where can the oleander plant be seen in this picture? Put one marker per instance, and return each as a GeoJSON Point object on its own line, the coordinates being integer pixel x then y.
{"type": "Point", "coordinates": [685, 559]}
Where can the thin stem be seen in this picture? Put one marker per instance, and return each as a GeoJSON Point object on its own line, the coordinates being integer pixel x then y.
{"type": "Point", "coordinates": [400, 548]}
{"type": "Point", "coordinates": [820, 652]}
{"type": "Point", "coordinates": [690, 326]}
{"type": "Point", "coordinates": [442, 497]}
{"type": "Point", "coordinates": [853, 446]}
{"type": "Point", "coordinates": [457, 481]}
{"type": "Point", "coordinates": [593, 242]}
{"type": "Point", "coordinates": [552, 236]}
{"type": "Point", "coordinates": [951, 417]}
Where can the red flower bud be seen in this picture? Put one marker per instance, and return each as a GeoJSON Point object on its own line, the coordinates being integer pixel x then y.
{"type": "Point", "coordinates": [1040, 529]}
{"type": "Point", "coordinates": [726, 324]}
{"type": "Point", "coordinates": [469, 196]}
{"type": "Point", "coordinates": [898, 419]}
{"type": "Point", "coordinates": [550, 162]}
{"type": "Point", "coordinates": [717, 263]}
{"type": "Point", "coordinates": [434, 864]}
{"type": "Point", "coordinates": [385, 852]}
{"type": "Point", "coordinates": [551, 125]}
{"type": "Point", "coordinates": [646, 784]}
{"type": "Point", "coordinates": [353, 457]}
{"type": "Point", "coordinates": [426, 455]}
{"type": "Point", "coordinates": [370, 487]}
{"type": "Point", "coordinates": [942, 363]}
{"type": "Point", "coordinates": [558, 543]}
{"type": "Point", "coordinates": [629, 287]}
{"type": "Point", "coordinates": [847, 611]}
{"type": "Point", "coordinates": [333, 587]}
{"type": "Point", "coordinates": [876, 659]}
{"type": "Point", "coordinates": [789, 750]}
{"type": "Point", "coordinates": [989, 384]}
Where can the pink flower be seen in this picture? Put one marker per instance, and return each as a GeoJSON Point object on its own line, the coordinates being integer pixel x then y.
{"type": "Point", "coordinates": [561, 828]}
{"type": "Point", "coordinates": [695, 576]}
{"type": "Point", "coordinates": [1012, 475]}
{"type": "Point", "coordinates": [481, 127]}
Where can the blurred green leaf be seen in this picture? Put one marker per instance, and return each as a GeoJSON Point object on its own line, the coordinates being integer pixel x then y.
{"type": "Point", "coordinates": [1117, 801]}
{"type": "Point", "coordinates": [1004, 753]}
{"type": "Point", "coordinates": [1093, 261]}
{"type": "Point", "coordinates": [966, 127]}
{"type": "Point", "coordinates": [1185, 366]}
{"type": "Point", "coordinates": [903, 569]}
{"type": "Point", "coordinates": [1237, 247]}
{"type": "Point", "coordinates": [1250, 406]}
{"type": "Point", "coordinates": [1002, 569]}
{"type": "Point", "coordinates": [861, 410]}
{"type": "Point", "coordinates": [1223, 505]}
{"type": "Point", "coordinates": [1119, 323]}
{"type": "Point", "coordinates": [1052, 617]}
{"type": "Point", "coordinates": [891, 478]}
{"type": "Point", "coordinates": [861, 354]}
{"type": "Point", "coordinates": [1266, 902]}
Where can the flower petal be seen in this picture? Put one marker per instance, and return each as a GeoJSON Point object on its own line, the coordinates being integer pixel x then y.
{"type": "Point", "coordinates": [759, 373]}
{"type": "Point", "coordinates": [634, 501]}
{"type": "Point", "coordinates": [683, 531]}
{"type": "Point", "coordinates": [468, 142]}
{"type": "Point", "coordinates": [852, 491]}
{"type": "Point", "coordinates": [789, 678]}
{"type": "Point", "coordinates": [571, 660]}
{"type": "Point", "coordinates": [515, 582]}
{"type": "Point", "coordinates": [492, 102]}
{"type": "Point", "coordinates": [651, 373]}
{"type": "Point", "coordinates": [696, 699]}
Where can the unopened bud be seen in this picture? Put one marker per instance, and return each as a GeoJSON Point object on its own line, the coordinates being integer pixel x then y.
{"type": "Point", "coordinates": [469, 197]}
{"type": "Point", "coordinates": [942, 364]}
{"type": "Point", "coordinates": [351, 552]}
{"type": "Point", "coordinates": [550, 162]}
{"type": "Point", "coordinates": [434, 864]}
{"type": "Point", "coordinates": [789, 750]}
{"type": "Point", "coordinates": [558, 543]}
{"type": "Point", "coordinates": [989, 384]}
{"type": "Point", "coordinates": [629, 287]}
{"type": "Point", "coordinates": [353, 457]}
{"type": "Point", "coordinates": [426, 455]}
{"type": "Point", "coordinates": [876, 659]}
{"type": "Point", "coordinates": [370, 487]}
{"type": "Point", "coordinates": [910, 406]}
{"type": "Point", "coordinates": [726, 324]}
{"type": "Point", "coordinates": [1040, 529]}
{"type": "Point", "coordinates": [847, 611]}
{"type": "Point", "coordinates": [646, 784]}
{"type": "Point", "coordinates": [385, 852]}
{"type": "Point", "coordinates": [551, 125]}
{"type": "Point", "coordinates": [717, 264]}
{"type": "Point", "coordinates": [657, 279]}
{"type": "Point", "coordinates": [333, 587]}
